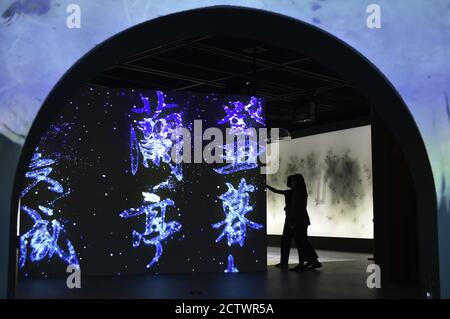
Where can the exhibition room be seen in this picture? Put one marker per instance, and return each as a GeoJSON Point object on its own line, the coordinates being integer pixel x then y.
{"type": "Point", "coordinates": [127, 185]}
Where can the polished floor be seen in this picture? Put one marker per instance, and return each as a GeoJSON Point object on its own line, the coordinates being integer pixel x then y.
{"type": "Point", "coordinates": [343, 275]}
{"type": "Point", "coordinates": [273, 256]}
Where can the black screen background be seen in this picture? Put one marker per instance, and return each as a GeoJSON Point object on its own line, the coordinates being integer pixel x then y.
{"type": "Point", "coordinates": [92, 135]}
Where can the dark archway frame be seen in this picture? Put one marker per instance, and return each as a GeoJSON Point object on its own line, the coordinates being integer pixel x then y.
{"type": "Point", "coordinates": [284, 32]}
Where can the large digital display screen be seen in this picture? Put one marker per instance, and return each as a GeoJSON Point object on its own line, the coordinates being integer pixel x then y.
{"type": "Point", "coordinates": [103, 191]}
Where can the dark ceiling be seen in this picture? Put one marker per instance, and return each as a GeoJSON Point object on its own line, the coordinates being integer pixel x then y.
{"type": "Point", "coordinates": [298, 91]}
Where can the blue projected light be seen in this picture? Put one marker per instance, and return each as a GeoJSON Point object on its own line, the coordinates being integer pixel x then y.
{"type": "Point", "coordinates": [238, 114]}
{"type": "Point", "coordinates": [156, 131]}
{"type": "Point", "coordinates": [231, 268]}
{"type": "Point", "coordinates": [156, 228]}
{"type": "Point", "coordinates": [243, 154]}
{"type": "Point", "coordinates": [40, 169]}
{"type": "Point", "coordinates": [42, 240]}
{"type": "Point", "coordinates": [47, 211]}
{"type": "Point", "coordinates": [134, 151]}
{"type": "Point", "coordinates": [44, 243]}
{"type": "Point", "coordinates": [155, 146]}
{"type": "Point", "coordinates": [167, 184]}
{"type": "Point", "coordinates": [236, 205]}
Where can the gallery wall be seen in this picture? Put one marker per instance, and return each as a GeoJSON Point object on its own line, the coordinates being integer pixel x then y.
{"type": "Point", "coordinates": [337, 167]}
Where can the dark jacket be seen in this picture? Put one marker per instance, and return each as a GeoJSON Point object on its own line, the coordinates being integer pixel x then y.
{"type": "Point", "coordinates": [296, 201]}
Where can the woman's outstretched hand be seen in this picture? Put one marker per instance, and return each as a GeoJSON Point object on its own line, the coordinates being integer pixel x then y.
{"type": "Point", "coordinates": [273, 189]}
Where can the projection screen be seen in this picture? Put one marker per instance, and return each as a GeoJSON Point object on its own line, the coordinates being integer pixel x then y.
{"type": "Point", "coordinates": [102, 191]}
{"type": "Point", "coordinates": [337, 167]}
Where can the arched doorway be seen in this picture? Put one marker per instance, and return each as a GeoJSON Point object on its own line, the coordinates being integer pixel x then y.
{"type": "Point", "coordinates": [282, 32]}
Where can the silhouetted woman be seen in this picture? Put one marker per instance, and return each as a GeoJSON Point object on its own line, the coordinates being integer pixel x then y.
{"type": "Point", "coordinates": [296, 225]}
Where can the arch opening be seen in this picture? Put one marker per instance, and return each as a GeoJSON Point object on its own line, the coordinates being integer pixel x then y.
{"type": "Point", "coordinates": [379, 104]}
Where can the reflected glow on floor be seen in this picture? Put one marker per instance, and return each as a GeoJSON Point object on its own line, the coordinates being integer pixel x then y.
{"type": "Point", "coordinates": [273, 256]}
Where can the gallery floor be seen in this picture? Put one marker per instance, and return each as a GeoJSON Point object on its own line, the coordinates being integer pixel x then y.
{"type": "Point", "coordinates": [343, 275]}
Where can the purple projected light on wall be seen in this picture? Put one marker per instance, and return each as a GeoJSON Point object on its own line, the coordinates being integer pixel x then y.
{"type": "Point", "coordinates": [43, 242]}
{"type": "Point", "coordinates": [244, 153]}
{"type": "Point", "coordinates": [125, 219]}
{"type": "Point", "coordinates": [236, 204]}
{"type": "Point", "coordinates": [43, 236]}
{"type": "Point", "coordinates": [155, 146]}
{"type": "Point", "coordinates": [231, 268]}
{"type": "Point", "coordinates": [238, 114]}
{"type": "Point", "coordinates": [156, 130]}
{"type": "Point", "coordinates": [156, 228]}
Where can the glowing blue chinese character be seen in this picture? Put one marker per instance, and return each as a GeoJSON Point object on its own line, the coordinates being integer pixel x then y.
{"type": "Point", "coordinates": [231, 268]}
{"type": "Point", "coordinates": [44, 234]}
{"type": "Point", "coordinates": [156, 228]}
{"type": "Point", "coordinates": [44, 243]}
{"type": "Point", "coordinates": [238, 114]}
{"type": "Point", "coordinates": [39, 171]}
{"type": "Point", "coordinates": [156, 140]}
{"type": "Point", "coordinates": [243, 156]}
{"type": "Point", "coordinates": [236, 205]}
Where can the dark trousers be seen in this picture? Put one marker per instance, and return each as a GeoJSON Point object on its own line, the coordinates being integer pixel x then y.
{"type": "Point", "coordinates": [306, 252]}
